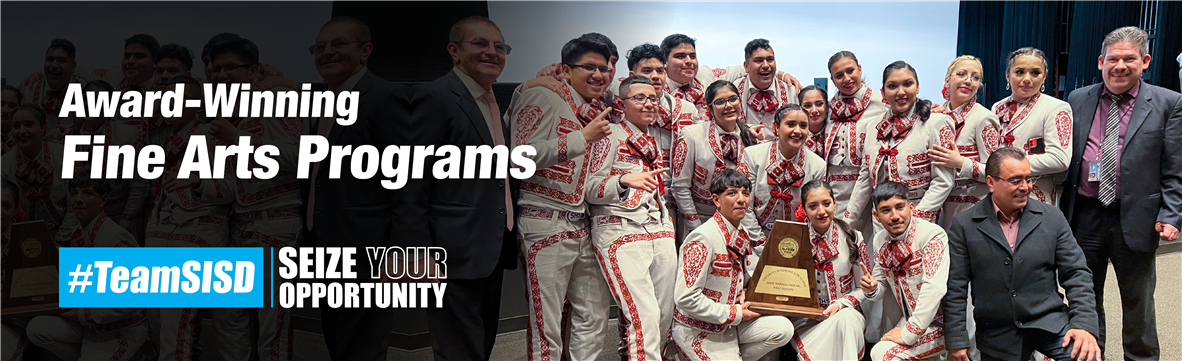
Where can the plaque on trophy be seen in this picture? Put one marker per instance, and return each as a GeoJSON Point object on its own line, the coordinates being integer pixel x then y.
{"type": "Point", "coordinates": [784, 282]}
{"type": "Point", "coordinates": [30, 272]}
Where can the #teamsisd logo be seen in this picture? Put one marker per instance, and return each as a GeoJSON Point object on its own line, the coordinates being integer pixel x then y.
{"type": "Point", "coordinates": [161, 277]}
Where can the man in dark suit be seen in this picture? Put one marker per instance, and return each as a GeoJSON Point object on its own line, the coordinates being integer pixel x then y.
{"type": "Point", "coordinates": [352, 212]}
{"type": "Point", "coordinates": [1129, 134]}
{"type": "Point", "coordinates": [1016, 252]}
{"type": "Point", "coordinates": [471, 218]}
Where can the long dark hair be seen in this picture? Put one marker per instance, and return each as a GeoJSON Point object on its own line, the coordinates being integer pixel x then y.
{"type": "Point", "coordinates": [744, 130]}
{"type": "Point", "coordinates": [845, 227]}
{"type": "Point", "coordinates": [922, 107]}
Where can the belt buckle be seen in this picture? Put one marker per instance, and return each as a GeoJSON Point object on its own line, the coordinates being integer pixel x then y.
{"type": "Point", "coordinates": [573, 217]}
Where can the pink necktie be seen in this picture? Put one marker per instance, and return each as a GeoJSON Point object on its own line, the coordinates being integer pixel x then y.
{"type": "Point", "coordinates": [499, 138]}
{"type": "Point", "coordinates": [322, 130]}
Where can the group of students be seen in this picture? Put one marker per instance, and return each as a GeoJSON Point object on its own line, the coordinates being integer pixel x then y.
{"type": "Point", "coordinates": [656, 191]}
{"type": "Point", "coordinates": [668, 182]}
{"type": "Point", "coordinates": [166, 212]}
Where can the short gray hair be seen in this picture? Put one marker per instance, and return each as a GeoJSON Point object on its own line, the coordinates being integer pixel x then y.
{"type": "Point", "coordinates": [1129, 34]}
{"type": "Point", "coordinates": [456, 35]}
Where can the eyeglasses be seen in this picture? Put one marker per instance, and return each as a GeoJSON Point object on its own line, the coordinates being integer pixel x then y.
{"type": "Point", "coordinates": [591, 68]}
{"type": "Point", "coordinates": [973, 78]}
{"type": "Point", "coordinates": [482, 45]}
{"type": "Point", "coordinates": [227, 68]}
{"type": "Point", "coordinates": [640, 98]}
{"type": "Point", "coordinates": [721, 102]}
{"type": "Point", "coordinates": [1018, 180]}
{"type": "Point", "coordinates": [337, 45]}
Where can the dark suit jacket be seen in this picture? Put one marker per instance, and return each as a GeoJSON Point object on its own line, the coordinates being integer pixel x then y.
{"type": "Point", "coordinates": [465, 216]}
{"type": "Point", "coordinates": [1019, 288]}
{"type": "Point", "coordinates": [1150, 162]}
{"type": "Point", "coordinates": [351, 212]}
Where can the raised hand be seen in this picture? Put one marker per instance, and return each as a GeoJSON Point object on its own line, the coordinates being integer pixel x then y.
{"type": "Point", "coordinates": [867, 283]}
{"type": "Point", "coordinates": [598, 128]}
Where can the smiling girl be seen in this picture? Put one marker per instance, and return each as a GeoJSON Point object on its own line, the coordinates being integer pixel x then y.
{"type": "Point", "coordinates": [1040, 125]}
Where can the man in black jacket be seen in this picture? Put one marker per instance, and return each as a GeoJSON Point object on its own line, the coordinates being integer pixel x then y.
{"type": "Point", "coordinates": [1123, 191]}
{"type": "Point", "coordinates": [471, 218]}
{"type": "Point", "coordinates": [1016, 253]}
{"type": "Point", "coordinates": [353, 212]}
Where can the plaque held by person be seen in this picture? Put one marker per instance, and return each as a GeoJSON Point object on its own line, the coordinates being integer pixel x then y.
{"type": "Point", "coordinates": [784, 282]}
{"type": "Point", "coordinates": [30, 272]}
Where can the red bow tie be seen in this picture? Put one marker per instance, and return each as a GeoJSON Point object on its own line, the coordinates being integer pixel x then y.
{"type": "Point", "coordinates": [894, 128]}
{"type": "Point", "coordinates": [665, 118]}
{"type": "Point", "coordinates": [730, 148]}
{"type": "Point", "coordinates": [763, 101]}
{"type": "Point", "coordinates": [692, 92]}
{"type": "Point", "coordinates": [890, 152]}
{"type": "Point", "coordinates": [738, 249]}
{"type": "Point", "coordinates": [896, 257]}
{"type": "Point", "coordinates": [1008, 140]}
{"type": "Point", "coordinates": [824, 251]}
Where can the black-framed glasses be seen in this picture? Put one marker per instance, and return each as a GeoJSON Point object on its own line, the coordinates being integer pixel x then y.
{"type": "Point", "coordinates": [482, 45]}
{"type": "Point", "coordinates": [337, 45]}
{"type": "Point", "coordinates": [1018, 180]}
{"type": "Point", "coordinates": [227, 68]}
{"type": "Point", "coordinates": [721, 102]}
{"type": "Point", "coordinates": [591, 68]}
{"type": "Point", "coordinates": [641, 98]}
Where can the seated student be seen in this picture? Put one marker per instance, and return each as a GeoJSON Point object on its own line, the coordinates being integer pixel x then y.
{"type": "Point", "coordinates": [12, 331]}
{"type": "Point", "coordinates": [911, 257]}
{"type": "Point", "coordinates": [36, 166]}
{"type": "Point", "coordinates": [840, 256]}
{"type": "Point", "coordinates": [713, 321]}
{"type": "Point", "coordinates": [93, 333]}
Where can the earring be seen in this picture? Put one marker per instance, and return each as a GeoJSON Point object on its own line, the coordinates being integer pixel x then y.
{"type": "Point", "coordinates": [1007, 86]}
{"type": "Point", "coordinates": [1043, 88]}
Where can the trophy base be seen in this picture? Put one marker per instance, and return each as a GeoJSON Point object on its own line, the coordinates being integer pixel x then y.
{"type": "Point", "coordinates": [30, 311]}
{"type": "Point", "coordinates": [788, 310]}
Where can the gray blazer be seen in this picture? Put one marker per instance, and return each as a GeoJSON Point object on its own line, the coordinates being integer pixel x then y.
{"type": "Point", "coordinates": [1150, 162]}
{"type": "Point", "coordinates": [1019, 288]}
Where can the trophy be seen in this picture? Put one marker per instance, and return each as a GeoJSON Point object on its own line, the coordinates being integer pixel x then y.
{"type": "Point", "coordinates": [784, 282]}
{"type": "Point", "coordinates": [30, 272]}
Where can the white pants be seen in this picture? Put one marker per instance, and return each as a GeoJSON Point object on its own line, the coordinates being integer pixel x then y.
{"type": "Point", "coordinates": [175, 328]}
{"type": "Point", "coordinates": [232, 325]}
{"type": "Point", "coordinates": [70, 340]}
{"type": "Point", "coordinates": [836, 338]}
{"type": "Point", "coordinates": [13, 341]}
{"type": "Point", "coordinates": [751, 340]}
{"type": "Point", "coordinates": [929, 346]}
{"type": "Point", "coordinates": [559, 263]}
{"type": "Point", "coordinates": [640, 262]}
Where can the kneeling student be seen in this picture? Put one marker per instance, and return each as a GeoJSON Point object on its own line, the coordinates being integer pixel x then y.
{"type": "Point", "coordinates": [713, 320]}
{"type": "Point", "coordinates": [93, 333]}
{"type": "Point", "coordinates": [911, 256]}
{"type": "Point", "coordinates": [838, 251]}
